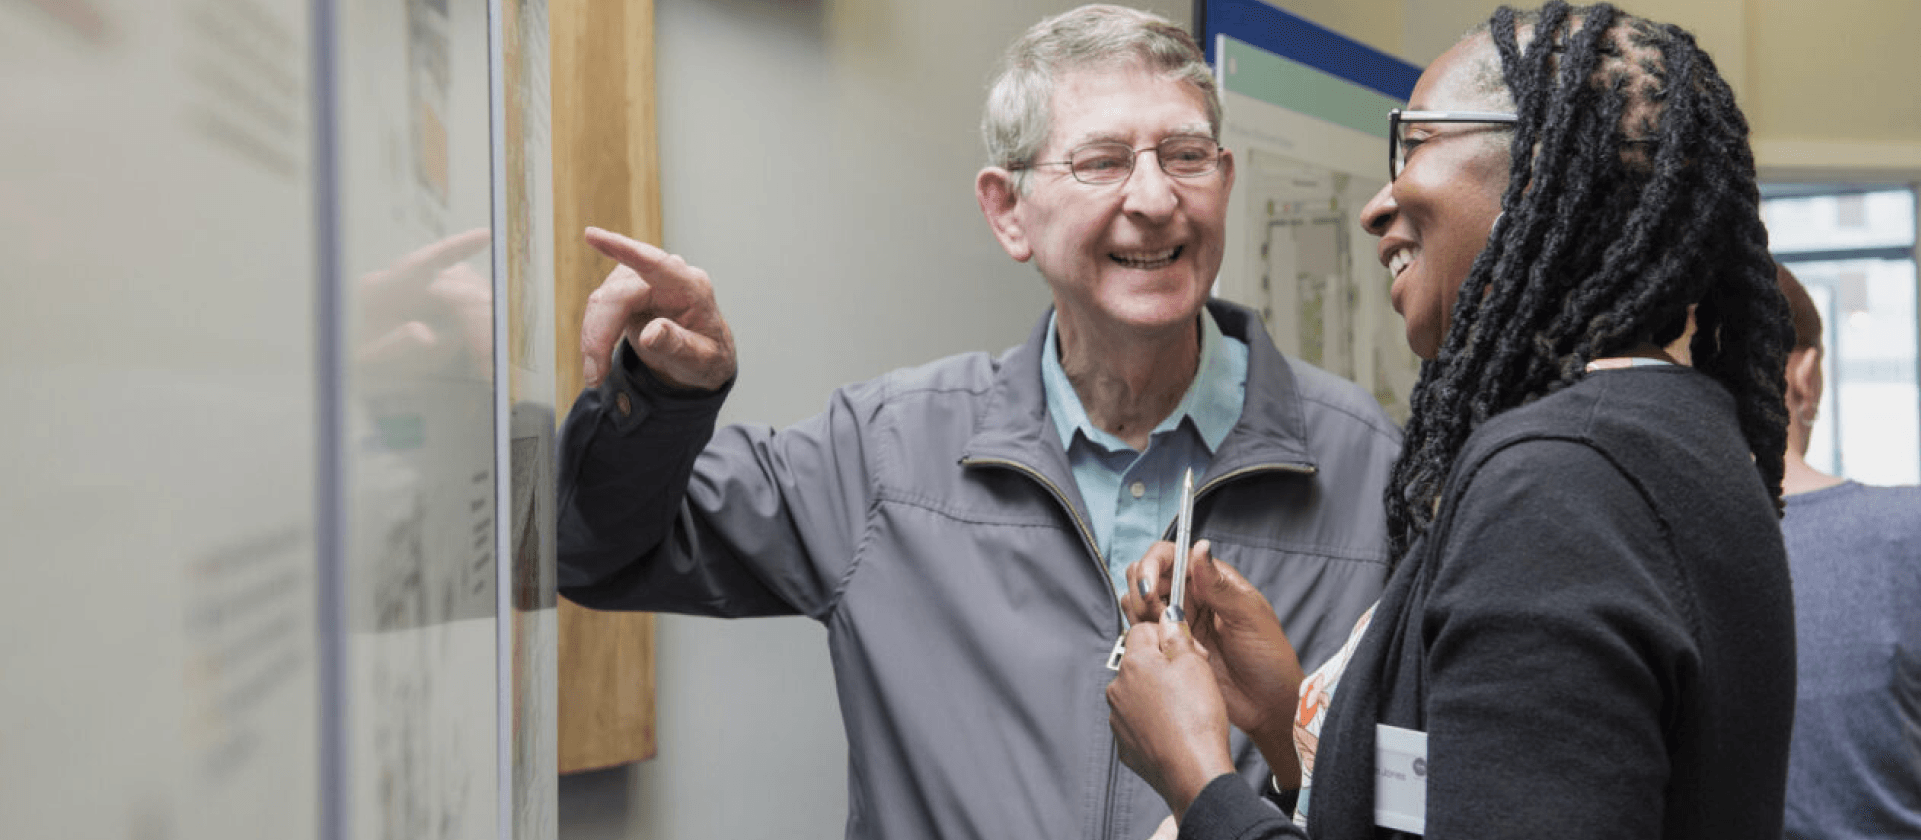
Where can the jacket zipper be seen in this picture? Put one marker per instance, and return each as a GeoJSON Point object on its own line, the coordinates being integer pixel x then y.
{"type": "Point", "coordinates": [1280, 466]}
{"type": "Point", "coordinates": [1205, 489]}
{"type": "Point", "coordinates": [1093, 550]}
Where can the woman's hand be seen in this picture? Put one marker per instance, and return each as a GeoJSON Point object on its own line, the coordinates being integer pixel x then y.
{"type": "Point", "coordinates": [1253, 663]}
{"type": "Point", "coordinates": [1168, 718]}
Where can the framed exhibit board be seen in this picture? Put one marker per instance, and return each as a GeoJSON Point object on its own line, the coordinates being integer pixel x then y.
{"type": "Point", "coordinates": [159, 376]}
{"type": "Point", "coordinates": [416, 419]}
{"type": "Point", "coordinates": [280, 419]}
{"type": "Point", "coordinates": [524, 409]}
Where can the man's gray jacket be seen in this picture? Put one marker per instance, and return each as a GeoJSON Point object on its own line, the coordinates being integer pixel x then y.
{"type": "Point", "coordinates": [929, 519]}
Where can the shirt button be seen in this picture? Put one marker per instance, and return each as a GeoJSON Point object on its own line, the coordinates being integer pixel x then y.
{"type": "Point", "coordinates": [623, 404]}
{"type": "Point", "coordinates": [1138, 489]}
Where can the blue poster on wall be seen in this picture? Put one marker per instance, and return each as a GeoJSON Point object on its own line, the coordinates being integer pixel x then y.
{"type": "Point", "coordinates": [1298, 39]}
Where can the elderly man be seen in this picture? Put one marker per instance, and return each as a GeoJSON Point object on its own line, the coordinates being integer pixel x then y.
{"type": "Point", "coordinates": [962, 528]}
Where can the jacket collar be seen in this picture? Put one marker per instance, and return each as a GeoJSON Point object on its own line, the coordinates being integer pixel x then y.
{"type": "Point", "coordinates": [1272, 428]}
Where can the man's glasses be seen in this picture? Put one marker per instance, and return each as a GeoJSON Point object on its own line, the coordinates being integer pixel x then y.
{"type": "Point", "coordinates": [1181, 156]}
{"type": "Point", "coordinates": [1398, 146]}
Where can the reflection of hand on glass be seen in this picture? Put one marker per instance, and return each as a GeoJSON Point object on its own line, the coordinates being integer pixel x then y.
{"type": "Point", "coordinates": [666, 310]}
{"type": "Point", "coordinates": [430, 311]}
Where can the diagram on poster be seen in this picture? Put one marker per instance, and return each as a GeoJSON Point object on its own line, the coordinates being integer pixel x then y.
{"type": "Point", "coordinates": [1320, 290]}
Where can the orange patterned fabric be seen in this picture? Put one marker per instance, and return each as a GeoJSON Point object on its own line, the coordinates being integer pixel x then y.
{"type": "Point", "coordinates": [1317, 693]}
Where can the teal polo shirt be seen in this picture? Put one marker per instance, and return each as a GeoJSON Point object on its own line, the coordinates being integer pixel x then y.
{"type": "Point", "coordinates": [1133, 496]}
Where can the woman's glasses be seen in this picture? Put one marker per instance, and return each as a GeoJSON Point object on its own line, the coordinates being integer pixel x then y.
{"type": "Point", "coordinates": [1398, 146]}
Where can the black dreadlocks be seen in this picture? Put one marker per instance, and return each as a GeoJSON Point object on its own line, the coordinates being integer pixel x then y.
{"type": "Point", "coordinates": [1630, 198]}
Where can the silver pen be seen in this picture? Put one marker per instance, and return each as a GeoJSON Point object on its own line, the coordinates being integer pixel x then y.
{"type": "Point", "coordinates": [1183, 543]}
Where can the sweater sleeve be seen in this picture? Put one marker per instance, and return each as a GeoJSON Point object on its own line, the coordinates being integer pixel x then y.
{"type": "Point", "coordinates": [1558, 643]}
{"type": "Point", "coordinates": [658, 512]}
{"type": "Point", "coordinates": [1228, 809]}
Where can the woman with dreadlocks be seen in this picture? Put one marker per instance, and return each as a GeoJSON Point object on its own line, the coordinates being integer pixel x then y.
{"type": "Point", "coordinates": [1589, 628]}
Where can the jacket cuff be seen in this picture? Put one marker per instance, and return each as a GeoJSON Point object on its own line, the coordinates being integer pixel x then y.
{"type": "Point", "coordinates": [631, 394]}
{"type": "Point", "coordinates": [1228, 809]}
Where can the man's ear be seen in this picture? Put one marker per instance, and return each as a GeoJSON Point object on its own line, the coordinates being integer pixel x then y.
{"type": "Point", "coordinates": [1227, 172]}
{"type": "Point", "coordinates": [1803, 380]}
{"type": "Point", "coordinates": [1000, 201]}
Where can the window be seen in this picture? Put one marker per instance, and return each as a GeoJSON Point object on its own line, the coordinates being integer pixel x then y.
{"type": "Point", "coordinates": [1853, 247]}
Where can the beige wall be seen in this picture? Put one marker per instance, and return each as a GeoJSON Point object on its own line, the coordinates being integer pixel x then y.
{"type": "Point", "coordinates": [1834, 84]}
{"type": "Point", "coordinates": [1828, 87]}
{"type": "Point", "coordinates": [1719, 25]}
{"type": "Point", "coordinates": [1377, 23]}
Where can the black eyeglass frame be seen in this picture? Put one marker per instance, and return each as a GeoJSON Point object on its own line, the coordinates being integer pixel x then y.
{"type": "Point", "coordinates": [1397, 116]}
{"type": "Point", "coordinates": [1133, 156]}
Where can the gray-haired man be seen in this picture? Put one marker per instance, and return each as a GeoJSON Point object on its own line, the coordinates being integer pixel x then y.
{"type": "Point", "coordinates": [961, 528]}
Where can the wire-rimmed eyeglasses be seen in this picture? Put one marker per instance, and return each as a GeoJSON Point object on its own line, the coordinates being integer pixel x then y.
{"type": "Point", "coordinates": [1398, 146]}
{"type": "Point", "coordinates": [1180, 156]}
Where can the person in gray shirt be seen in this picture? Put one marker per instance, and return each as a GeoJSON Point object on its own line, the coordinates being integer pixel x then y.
{"type": "Point", "coordinates": [1854, 763]}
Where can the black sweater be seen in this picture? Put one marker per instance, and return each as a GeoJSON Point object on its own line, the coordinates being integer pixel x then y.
{"type": "Point", "coordinates": [1596, 635]}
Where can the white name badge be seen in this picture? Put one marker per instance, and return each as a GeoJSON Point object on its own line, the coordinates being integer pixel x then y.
{"type": "Point", "coordinates": [1400, 779]}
